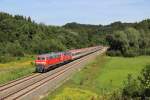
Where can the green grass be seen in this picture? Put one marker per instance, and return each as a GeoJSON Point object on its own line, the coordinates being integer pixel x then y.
{"type": "Point", "coordinates": [16, 69]}
{"type": "Point", "coordinates": [102, 76]}
{"type": "Point", "coordinates": [116, 70]}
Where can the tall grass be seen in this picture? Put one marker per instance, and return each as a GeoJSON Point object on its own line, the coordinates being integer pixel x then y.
{"type": "Point", "coordinates": [16, 69]}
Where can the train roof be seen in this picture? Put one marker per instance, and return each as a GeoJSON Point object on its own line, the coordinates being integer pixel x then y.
{"type": "Point", "coordinates": [52, 54]}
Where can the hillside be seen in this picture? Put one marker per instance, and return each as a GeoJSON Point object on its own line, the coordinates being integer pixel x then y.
{"type": "Point", "coordinates": [124, 39]}
{"type": "Point", "coordinates": [21, 36]}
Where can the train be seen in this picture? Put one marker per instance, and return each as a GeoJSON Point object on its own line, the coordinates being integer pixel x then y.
{"type": "Point", "coordinates": [45, 62]}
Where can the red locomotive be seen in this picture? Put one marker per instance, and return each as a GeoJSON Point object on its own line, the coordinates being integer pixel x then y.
{"type": "Point", "coordinates": [46, 61]}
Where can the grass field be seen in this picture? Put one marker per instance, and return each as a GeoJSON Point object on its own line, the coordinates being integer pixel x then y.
{"type": "Point", "coordinates": [99, 77]}
{"type": "Point", "coordinates": [16, 69]}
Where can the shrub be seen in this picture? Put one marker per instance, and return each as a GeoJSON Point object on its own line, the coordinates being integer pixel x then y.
{"type": "Point", "coordinates": [131, 53]}
{"type": "Point", "coordinates": [131, 88]}
{"type": "Point", "coordinates": [145, 81]}
{"type": "Point", "coordinates": [148, 51]}
{"type": "Point", "coordinates": [4, 59]}
{"type": "Point", "coordinates": [145, 51]}
{"type": "Point", "coordinates": [114, 53]}
{"type": "Point", "coordinates": [32, 63]}
{"type": "Point", "coordinates": [138, 88]}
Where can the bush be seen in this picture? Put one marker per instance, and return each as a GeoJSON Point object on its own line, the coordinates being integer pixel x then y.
{"type": "Point", "coordinates": [131, 53]}
{"type": "Point", "coordinates": [115, 95]}
{"type": "Point", "coordinates": [14, 49]}
{"type": "Point", "coordinates": [4, 59]}
{"type": "Point", "coordinates": [145, 81]}
{"type": "Point", "coordinates": [138, 88]}
{"type": "Point", "coordinates": [114, 53]}
{"type": "Point", "coordinates": [18, 58]}
{"type": "Point", "coordinates": [131, 88]}
{"type": "Point", "coordinates": [32, 63]}
{"type": "Point", "coordinates": [145, 51]}
{"type": "Point", "coordinates": [148, 51]}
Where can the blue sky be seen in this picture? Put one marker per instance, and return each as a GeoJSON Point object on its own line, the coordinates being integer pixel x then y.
{"type": "Point", "coordinates": [59, 12]}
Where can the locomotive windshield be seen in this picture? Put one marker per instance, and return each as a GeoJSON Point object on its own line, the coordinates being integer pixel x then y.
{"type": "Point", "coordinates": [40, 58]}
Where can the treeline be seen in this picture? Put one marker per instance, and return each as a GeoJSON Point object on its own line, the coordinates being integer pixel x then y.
{"type": "Point", "coordinates": [94, 33]}
{"type": "Point", "coordinates": [124, 39]}
{"type": "Point", "coordinates": [133, 40]}
{"type": "Point", "coordinates": [20, 35]}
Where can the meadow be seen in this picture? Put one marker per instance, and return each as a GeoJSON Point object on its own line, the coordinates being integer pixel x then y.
{"type": "Point", "coordinates": [17, 68]}
{"type": "Point", "coordinates": [100, 77]}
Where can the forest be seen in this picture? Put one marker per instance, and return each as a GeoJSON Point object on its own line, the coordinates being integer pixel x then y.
{"type": "Point", "coordinates": [124, 39]}
{"type": "Point", "coordinates": [20, 36]}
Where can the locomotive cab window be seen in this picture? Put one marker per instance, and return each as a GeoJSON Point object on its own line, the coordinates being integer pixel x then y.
{"type": "Point", "coordinates": [40, 58]}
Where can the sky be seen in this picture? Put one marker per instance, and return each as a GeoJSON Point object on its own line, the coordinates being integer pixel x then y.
{"type": "Point", "coordinates": [60, 12]}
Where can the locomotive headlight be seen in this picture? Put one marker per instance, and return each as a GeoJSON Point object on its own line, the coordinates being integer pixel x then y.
{"type": "Point", "coordinates": [41, 63]}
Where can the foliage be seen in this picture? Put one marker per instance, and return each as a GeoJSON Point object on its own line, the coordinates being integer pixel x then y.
{"type": "Point", "coordinates": [138, 88]}
{"type": "Point", "coordinates": [20, 35]}
{"type": "Point", "coordinates": [131, 87]}
{"type": "Point", "coordinates": [124, 39]}
{"type": "Point", "coordinates": [145, 81]}
{"type": "Point", "coordinates": [114, 53]}
{"type": "Point", "coordinates": [129, 42]}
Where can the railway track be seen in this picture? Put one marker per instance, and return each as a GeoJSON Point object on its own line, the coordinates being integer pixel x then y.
{"type": "Point", "coordinates": [28, 86]}
{"type": "Point", "coordinates": [17, 81]}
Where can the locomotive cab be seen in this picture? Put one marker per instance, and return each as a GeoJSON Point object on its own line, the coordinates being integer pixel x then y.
{"type": "Point", "coordinates": [40, 62]}
{"type": "Point", "coordinates": [45, 61]}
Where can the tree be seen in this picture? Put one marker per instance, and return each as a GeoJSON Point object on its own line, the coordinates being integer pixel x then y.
{"type": "Point", "coordinates": [133, 36]}
{"type": "Point", "coordinates": [14, 49]}
{"type": "Point", "coordinates": [137, 87]}
{"type": "Point", "coordinates": [29, 19]}
{"type": "Point", "coordinates": [118, 42]}
{"type": "Point", "coordinates": [145, 81]}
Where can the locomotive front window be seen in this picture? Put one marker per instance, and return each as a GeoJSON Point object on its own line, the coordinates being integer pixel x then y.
{"type": "Point", "coordinates": [40, 58]}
